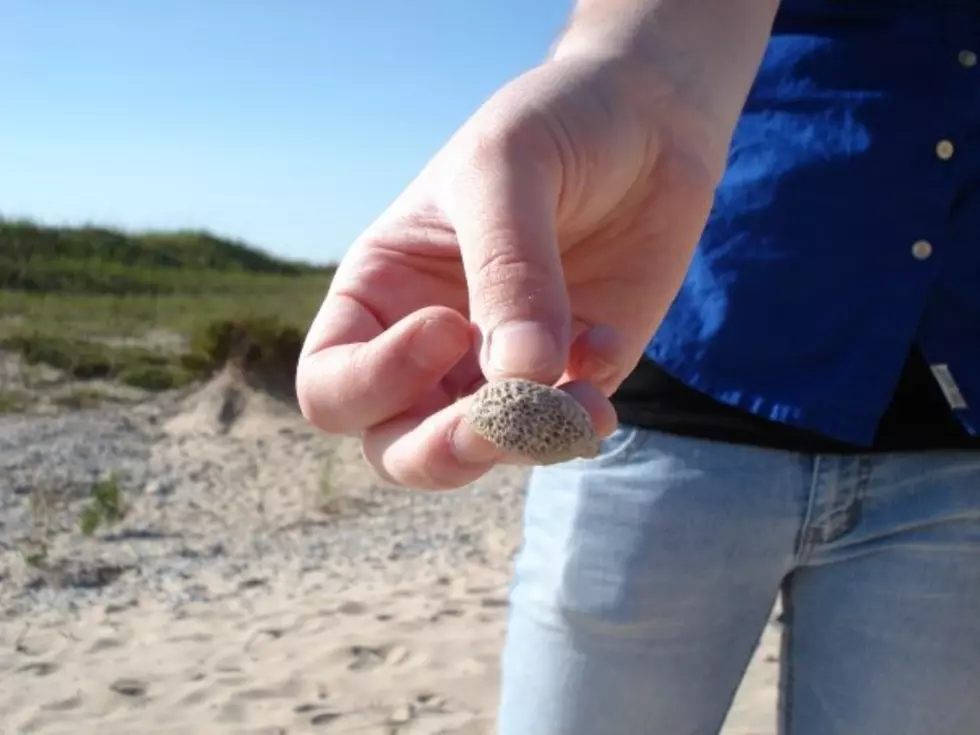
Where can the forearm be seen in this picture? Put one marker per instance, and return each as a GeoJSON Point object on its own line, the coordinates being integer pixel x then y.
{"type": "Point", "coordinates": [708, 51]}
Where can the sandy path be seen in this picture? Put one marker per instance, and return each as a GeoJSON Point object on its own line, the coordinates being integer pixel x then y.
{"type": "Point", "coordinates": [367, 659]}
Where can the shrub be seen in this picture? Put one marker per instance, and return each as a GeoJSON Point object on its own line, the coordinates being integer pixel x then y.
{"type": "Point", "coordinates": [105, 506]}
{"type": "Point", "coordinates": [260, 347]}
{"type": "Point", "coordinates": [85, 360]}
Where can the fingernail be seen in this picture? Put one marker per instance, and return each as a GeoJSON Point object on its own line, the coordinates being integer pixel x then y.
{"type": "Point", "coordinates": [436, 345]}
{"type": "Point", "coordinates": [603, 347]}
{"type": "Point", "coordinates": [523, 349]}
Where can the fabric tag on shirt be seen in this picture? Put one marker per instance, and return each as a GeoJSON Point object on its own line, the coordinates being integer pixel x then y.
{"type": "Point", "coordinates": [949, 387]}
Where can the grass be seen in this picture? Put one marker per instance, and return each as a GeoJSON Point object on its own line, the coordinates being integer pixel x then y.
{"type": "Point", "coordinates": [13, 401]}
{"type": "Point", "coordinates": [70, 296]}
{"type": "Point", "coordinates": [138, 367]}
{"type": "Point", "coordinates": [81, 398]}
{"type": "Point", "coordinates": [154, 310]}
{"type": "Point", "coordinates": [264, 346]}
{"type": "Point", "coordinates": [35, 548]}
{"type": "Point", "coordinates": [36, 257]}
{"type": "Point", "coordinates": [291, 299]}
{"type": "Point", "coordinates": [104, 508]}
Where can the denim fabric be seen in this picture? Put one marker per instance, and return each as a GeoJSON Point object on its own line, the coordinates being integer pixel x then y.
{"type": "Point", "coordinates": [647, 575]}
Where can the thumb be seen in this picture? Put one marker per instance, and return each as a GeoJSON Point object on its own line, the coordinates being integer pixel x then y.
{"type": "Point", "coordinates": [503, 209]}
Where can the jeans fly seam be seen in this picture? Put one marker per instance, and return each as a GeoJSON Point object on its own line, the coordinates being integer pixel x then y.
{"type": "Point", "coordinates": [802, 545]}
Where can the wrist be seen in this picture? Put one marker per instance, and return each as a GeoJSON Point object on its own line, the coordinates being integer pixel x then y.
{"type": "Point", "coordinates": [705, 52]}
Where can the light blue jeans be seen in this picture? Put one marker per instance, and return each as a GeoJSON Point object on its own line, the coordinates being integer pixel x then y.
{"type": "Point", "coordinates": [647, 575]}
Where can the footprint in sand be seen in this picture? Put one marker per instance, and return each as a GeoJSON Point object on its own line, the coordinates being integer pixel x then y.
{"type": "Point", "coordinates": [129, 687]}
{"type": "Point", "coordinates": [447, 612]}
{"type": "Point", "coordinates": [197, 696]}
{"type": "Point", "coordinates": [229, 664]}
{"type": "Point", "coordinates": [197, 638]}
{"type": "Point", "coordinates": [353, 608]}
{"type": "Point", "coordinates": [38, 668]}
{"type": "Point", "coordinates": [431, 714]}
{"type": "Point", "coordinates": [63, 705]}
{"type": "Point", "coordinates": [104, 644]}
{"type": "Point", "coordinates": [286, 689]}
{"type": "Point", "coordinates": [366, 658]}
{"type": "Point", "coordinates": [324, 718]}
{"type": "Point", "coordinates": [317, 714]}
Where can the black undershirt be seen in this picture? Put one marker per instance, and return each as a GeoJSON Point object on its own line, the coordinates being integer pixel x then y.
{"type": "Point", "coordinates": [918, 418]}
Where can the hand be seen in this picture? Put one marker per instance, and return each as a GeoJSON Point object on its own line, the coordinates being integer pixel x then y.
{"type": "Point", "coordinates": [545, 241]}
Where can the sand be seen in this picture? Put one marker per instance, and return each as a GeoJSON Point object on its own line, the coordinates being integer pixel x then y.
{"type": "Point", "coordinates": [261, 581]}
{"type": "Point", "coordinates": [418, 658]}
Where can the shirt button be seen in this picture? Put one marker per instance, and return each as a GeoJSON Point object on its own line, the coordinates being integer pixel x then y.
{"type": "Point", "coordinates": [922, 249]}
{"type": "Point", "coordinates": [944, 149]}
{"type": "Point", "coordinates": [967, 58]}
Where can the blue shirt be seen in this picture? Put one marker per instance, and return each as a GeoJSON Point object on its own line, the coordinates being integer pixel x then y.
{"type": "Point", "coordinates": [846, 228]}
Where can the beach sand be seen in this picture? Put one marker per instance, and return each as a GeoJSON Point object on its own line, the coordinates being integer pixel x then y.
{"type": "Point", "coordinates": [260, 582]}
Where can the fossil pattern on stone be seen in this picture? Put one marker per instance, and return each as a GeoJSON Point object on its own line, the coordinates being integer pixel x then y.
{"type": "Point", "coordinates": [540, 424]}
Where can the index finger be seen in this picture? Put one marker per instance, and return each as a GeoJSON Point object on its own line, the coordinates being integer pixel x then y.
{"type": "Point", "coordinates": [355, 374]}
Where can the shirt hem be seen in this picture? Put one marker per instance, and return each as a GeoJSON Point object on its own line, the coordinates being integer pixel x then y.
{"type": "Point", "coordinates": [839, 427]}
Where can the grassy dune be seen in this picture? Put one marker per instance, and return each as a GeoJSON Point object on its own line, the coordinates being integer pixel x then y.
{"type": "Point", "coordinates": [153, 310]}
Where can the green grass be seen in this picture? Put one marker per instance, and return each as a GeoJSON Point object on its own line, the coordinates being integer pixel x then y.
{"type": "Point", "coordinates": [43, 258]}
{"type": "Point", "coordinates": [104, 508]}
{"type": "Point", "coordinates": [263, 345]}
{"type": "Point", "coordinates": [68, 295]}
{"type": "Point", "coordinates": [12, 401]}
{"type": "Point", "coordinates": [294, 300]}
{"type": "Point", "coordinates": [92, 281]}
{"type": "Point", "coordinates": [86, 360]}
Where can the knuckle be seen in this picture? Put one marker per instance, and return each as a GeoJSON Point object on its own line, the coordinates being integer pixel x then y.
{"type": "Point", "coordinates": [522, 139]}
{"type": "Point", "coordinates": [525, 144]}
{"type": "Point", "coordinates": [504, 281]}
{"type": "Point", "coordinates": [501, 265]}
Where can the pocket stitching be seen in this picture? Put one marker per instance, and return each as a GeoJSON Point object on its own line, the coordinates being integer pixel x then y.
{"type": "Point", "coordinates": [622, 447]}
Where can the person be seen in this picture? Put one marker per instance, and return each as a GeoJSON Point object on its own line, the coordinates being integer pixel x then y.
{"type": "Point", "coordinates": [744, 235]}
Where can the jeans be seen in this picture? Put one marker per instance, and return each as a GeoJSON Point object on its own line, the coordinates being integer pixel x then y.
{"type": "Point", "coordinates": [647, 575]}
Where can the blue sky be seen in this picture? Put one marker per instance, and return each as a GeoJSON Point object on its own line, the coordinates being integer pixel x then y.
{"type": "Point", "coordinates": [288, 124]}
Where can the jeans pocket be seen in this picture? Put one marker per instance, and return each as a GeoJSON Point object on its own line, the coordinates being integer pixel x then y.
{"type": "Point", "coordinates": [615, 447]}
